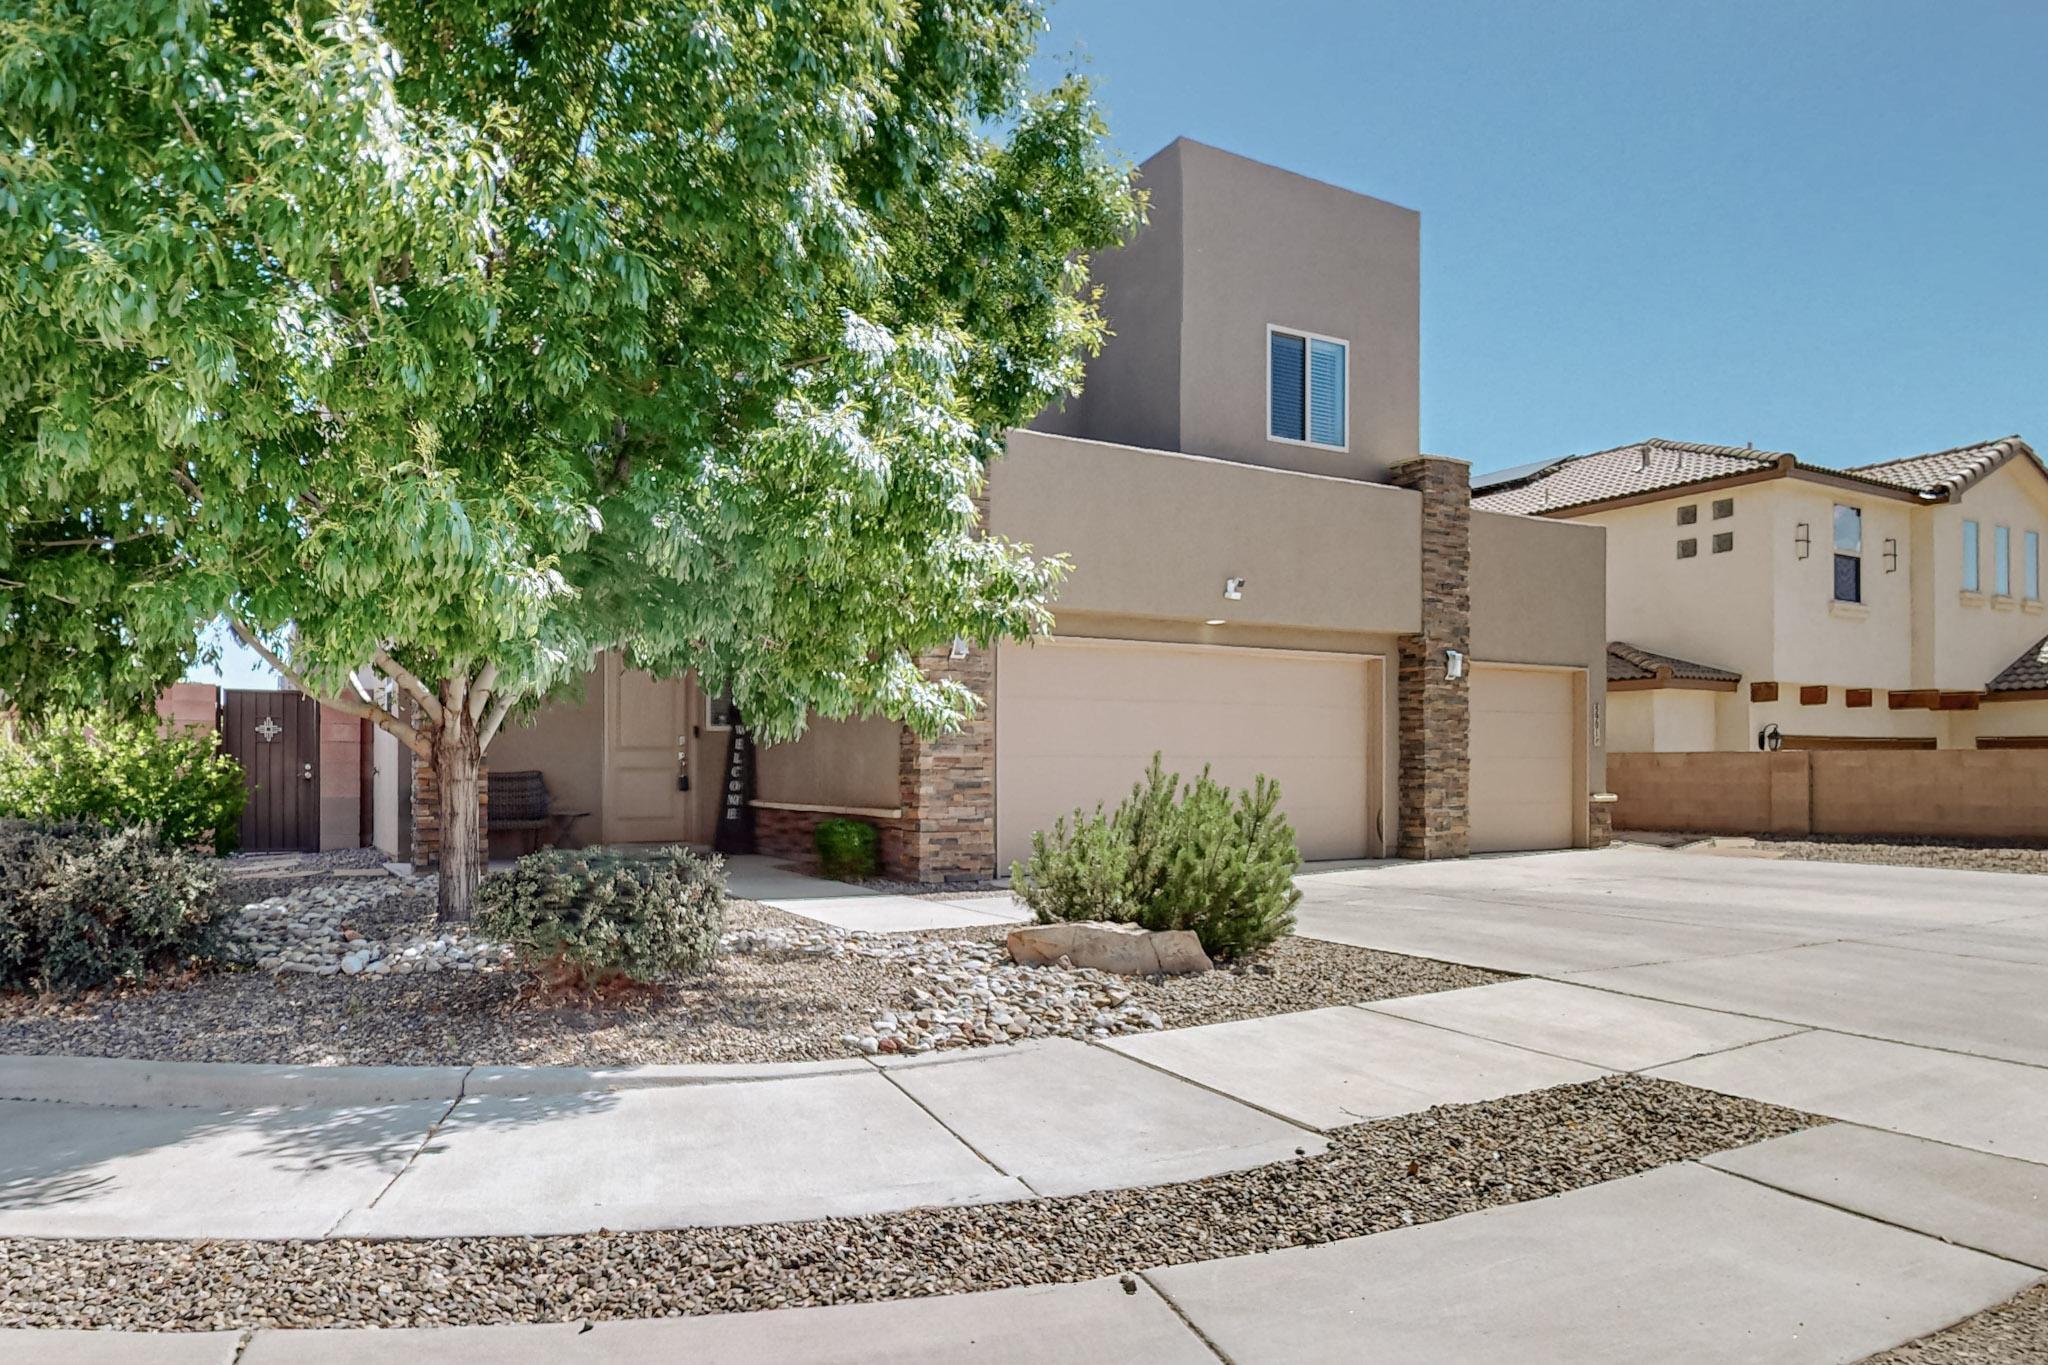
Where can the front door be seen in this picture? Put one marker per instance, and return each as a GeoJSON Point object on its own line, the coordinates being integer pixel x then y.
{"type": "Point", "coordinates": [651, 777]}
{"type": "Point", "coordinates": [275, 736]}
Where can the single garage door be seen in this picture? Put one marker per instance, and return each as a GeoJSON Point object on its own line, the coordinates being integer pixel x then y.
{"type": "Point", "coordinates": [1077, 721]}
{"type": "Point", "coordinates": [1524, 742]}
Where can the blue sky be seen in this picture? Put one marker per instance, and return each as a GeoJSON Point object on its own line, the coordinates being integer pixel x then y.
{"type": "Point", "coordinates": [1821, 227]}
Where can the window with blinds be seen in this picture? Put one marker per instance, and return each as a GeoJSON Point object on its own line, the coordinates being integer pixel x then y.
{"type": "Point", "coordinates": [1306, 388]}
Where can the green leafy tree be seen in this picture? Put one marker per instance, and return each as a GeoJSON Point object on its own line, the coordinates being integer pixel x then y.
{"type": "Point", "coordinates": [440, 347]}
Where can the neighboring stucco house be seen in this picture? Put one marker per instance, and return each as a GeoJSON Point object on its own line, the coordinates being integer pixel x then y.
{"type": "Point", "coordinates": [1269, 577]}
{"type": "Point", "coordinates": [1753, 599]}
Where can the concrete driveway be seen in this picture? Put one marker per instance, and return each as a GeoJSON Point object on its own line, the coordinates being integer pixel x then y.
{"type": "Point", "coordinates": [1912, 999]}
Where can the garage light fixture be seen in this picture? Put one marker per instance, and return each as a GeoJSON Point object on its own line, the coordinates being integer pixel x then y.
{"type": "Point", "coordinates": [1454, 664]}
{"type": "Point", "coordinates": [1233, 588]}
{"type": "Point", "coordinates": [959, 650]}
{"type": "Point", "coordinates": [1214, 621]}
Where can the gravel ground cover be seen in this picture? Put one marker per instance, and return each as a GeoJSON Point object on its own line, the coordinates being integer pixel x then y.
{"type": "Point", "coordinates": [787, 989]}
{"type": "Point", "coordinates": [1964, 855]}
{"type": "Point", "coordinates": [1374, 1178]}
{"type": "Point", "coordinates": [1960, 854]}
{"type": "Point", "coordinates": [2013, 1333]}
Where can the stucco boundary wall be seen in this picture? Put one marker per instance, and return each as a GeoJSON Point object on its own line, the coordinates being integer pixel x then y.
{"type": "Point", "coordinates": [1927, 793]}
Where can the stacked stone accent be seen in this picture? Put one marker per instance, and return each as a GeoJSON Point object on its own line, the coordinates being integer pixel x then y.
{"type": "Point", "coordinates": [948, 786]}
{"type": "Point", "coordinates": [426, 814]}
{"type": "Point", "coordinates": [1599, 824]}
{"type": "Point", "coordinates": [1435, 710]}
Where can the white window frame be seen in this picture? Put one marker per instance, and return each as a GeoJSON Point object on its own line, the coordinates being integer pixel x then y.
{"type": "Point", "coordinates": [1973, 556]}
{"type": "Point", "coordinates": [2001, 561]}
{"type": "Point", "coordinates": [1306, 380]}
{"type": "Point", "coordinates": [1835, 543]}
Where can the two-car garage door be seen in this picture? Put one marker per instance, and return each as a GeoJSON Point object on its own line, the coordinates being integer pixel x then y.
{"type": "Point", "coordinates": [1077, 721]}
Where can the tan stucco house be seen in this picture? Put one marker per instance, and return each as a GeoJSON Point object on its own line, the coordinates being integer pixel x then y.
{"type": "Point", "coordinates": [1269, 577]}
{"type": "Point", "coordinates": [1754, 600]}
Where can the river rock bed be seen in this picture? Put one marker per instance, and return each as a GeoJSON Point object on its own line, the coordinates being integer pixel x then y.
{"type": "Point", "coordinates": [310, 929]}
{"type": "Point", "coordinates": [784, 989]}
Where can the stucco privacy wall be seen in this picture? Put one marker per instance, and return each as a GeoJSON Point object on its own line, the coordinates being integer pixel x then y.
{"type": "Point", "coordinates": [1155, 534]}
{"type": "Point", "coordinates": [1952, 793]}
{"type": "Point", "coordinates": [1539, 596]}
{"type": "Point", "coordinates": [850, 763]}
{"type": "Point", "coordinates": [1233, 246]}
{"type": "Point", "coordinates": [1662, 720]}
{"type": "Point", "coordinates": [565, 740]}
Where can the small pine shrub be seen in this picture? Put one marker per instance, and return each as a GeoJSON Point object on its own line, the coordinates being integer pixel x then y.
{"type": "Point", "coordinates": [81, 906]}
{"type": "Point", "coordinates": [1173, 857]}
{"type": "Point", "coordinates": [590, 916]}
{"type": "Point", "coordinates": [110, 770]}
{"type": "Point", "coordinates": [848, 850]}
{"type": "Point", "coordinates": [1077, 872]}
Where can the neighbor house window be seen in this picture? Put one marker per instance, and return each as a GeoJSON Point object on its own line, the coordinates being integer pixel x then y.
{"type": "Point", "coordinates": [1723, 508]}
{"type": "Point", "coordinates": [719, 711]}
{"type": "Point", "coordinates": [2030, 566]}
{"type": "Point", "coordinates": [1305, 395]}
{"type": "Point", "coordinates": [1688, 548]}
{"type": "Point", "coordinates": [1972, 582]}
{"type": "Point", "coordinates": [1688, 514]}
{"type": "Point", "coordinates": [1848, 554]}
{"type": "Point", "coordinates": [1724, 541]}
{"type": "Point", "coordinates": [2001, 561]}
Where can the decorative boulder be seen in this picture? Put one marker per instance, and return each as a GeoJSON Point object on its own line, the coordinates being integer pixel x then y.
{"type": "Point", "coordinates": [1124, 949]}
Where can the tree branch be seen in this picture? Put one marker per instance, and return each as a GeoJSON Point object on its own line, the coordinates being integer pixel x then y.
{"type": "Point", "coordinates": [348, 706]}
{"type": "Point", "coordinates": [421, 694]}
{"type": "Point", "coordinates": [480, 691]}
{"type": "Point", "coordinates": [501, 706]}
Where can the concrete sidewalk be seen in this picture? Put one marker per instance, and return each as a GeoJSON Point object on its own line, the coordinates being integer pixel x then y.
{"type": "Point", "coordinates": [1685, 1262]}
{"type": "Point", "coordinates": [108, 1148]}
{"type": "Point", "coordinates": [846, 906]}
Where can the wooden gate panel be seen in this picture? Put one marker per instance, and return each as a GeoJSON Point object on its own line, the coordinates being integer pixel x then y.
{"type": "Point", "coordinates": [275, 736]}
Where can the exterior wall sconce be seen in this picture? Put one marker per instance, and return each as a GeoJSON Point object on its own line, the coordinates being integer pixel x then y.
{"type": "Point", "coordinates": [1454, 664]}
{"type": "Point", "coordinates": [959, 649]}
{"type": "Point", "coordinates": [1891, 555]}
{"type": "Point", "coordinates": [1233, 589]}
{"type": "Point", "coordinates": [1769, 740]}
{"type": "Point", "coordinates": [1802, 539]}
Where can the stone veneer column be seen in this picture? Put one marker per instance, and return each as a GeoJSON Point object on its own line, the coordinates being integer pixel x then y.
{"type": "Point", "coordinates": [1435, 710]}
{"type": "Point", "coordinates": [948, 785]}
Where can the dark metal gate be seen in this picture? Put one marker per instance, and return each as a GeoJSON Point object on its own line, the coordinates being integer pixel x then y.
{"type": "Point", "coordinates": [275, 736]}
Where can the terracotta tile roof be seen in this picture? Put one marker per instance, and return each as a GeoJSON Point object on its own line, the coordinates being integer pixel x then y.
{"type": "Point", "coordinates": [1657, 465]}
{"type": "Point", "coordinates": [1642, 467]}
{"type": "Point", "coordinates": [1626, 663]}
{"type": "Point", "coordinates": [2028, 673]}
{"type": "Point", "coordinates": [1945, 471]}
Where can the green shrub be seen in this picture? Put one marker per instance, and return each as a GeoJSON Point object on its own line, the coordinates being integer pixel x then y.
{"type": "Point", "coordinates": [109, 770]}
{"type": "Point", "coordinates": [849, 850]}
{"type": "Point", "coordinates": [81, 906]}
{"type": "Point", "coordinates": [1173, 857]}
{"type": "Point", "coordinates": [586, 916]}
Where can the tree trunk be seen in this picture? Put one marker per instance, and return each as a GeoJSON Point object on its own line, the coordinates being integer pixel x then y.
{"type": "Point", "coordinates": [458, 762]}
